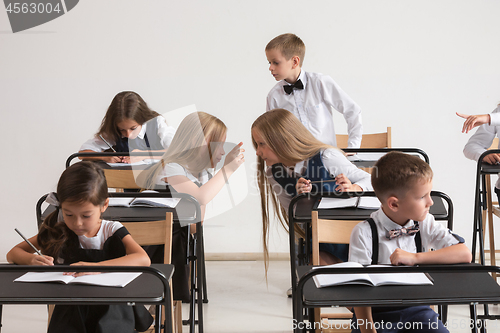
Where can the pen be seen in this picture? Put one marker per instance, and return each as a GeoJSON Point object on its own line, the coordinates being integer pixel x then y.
{"type": "Point", "coordinates": [106, 142]}
{"type": "Point", "coordinates": [323, 181]}
{"type": "Point", "coordinates": [27, 241]}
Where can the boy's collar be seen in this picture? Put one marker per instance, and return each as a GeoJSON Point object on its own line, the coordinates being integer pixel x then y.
{"type": "Point", "coordinates": [302, 77]}
{"type": "Point", "coordinates": [389, 224]}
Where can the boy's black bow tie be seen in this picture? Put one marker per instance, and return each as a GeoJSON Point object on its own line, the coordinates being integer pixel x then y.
{"type": "Point", "coordinates": [289, 88]}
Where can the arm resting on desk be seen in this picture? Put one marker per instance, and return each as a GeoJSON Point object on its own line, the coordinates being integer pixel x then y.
{"type": "Point", "coordinates": [136, 256]}
{"type": "Point", "coordinates": [24, 254]}
{"type": "Point", "coordinates": [109, 159]}
{"type": "Point", "coordinates": [454, 254]}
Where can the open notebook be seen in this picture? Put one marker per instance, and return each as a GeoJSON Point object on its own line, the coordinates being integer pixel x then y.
{"type": "Point", "coordinates": [117, 279]}
{"type": "Point", "coordinates": [144, 202]}
{"type": "Point", "coordinates": [355, 202]}
{"type": "Point", "coordinates": [375, 279]}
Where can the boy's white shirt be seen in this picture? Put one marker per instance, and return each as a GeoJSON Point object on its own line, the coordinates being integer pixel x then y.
{"type": "Point", "coordinates": [433, 235]}
{"type": "Point", "coordinates": [313, 107]}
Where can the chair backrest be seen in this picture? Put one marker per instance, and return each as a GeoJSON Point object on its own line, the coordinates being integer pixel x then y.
{"type": "Point", "coordinates": [375, 140]}
{"type": "Point", "coordinates": [329, 231]}
{"type": "Point", "coordinates": [120, 179]}
{"type": "Point", "coordinates": [153, 233]}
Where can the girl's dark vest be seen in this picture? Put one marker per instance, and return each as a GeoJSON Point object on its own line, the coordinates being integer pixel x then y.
{"type": "Point", "coordinates": [153, 141]}
{"type": "Point", "coordinates": [315, 171]}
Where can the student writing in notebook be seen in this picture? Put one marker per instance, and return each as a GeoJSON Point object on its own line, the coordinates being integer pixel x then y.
{"type": "Point", "coordinates": [405, 233]}
{"type": "Point", "coordinates": [311, 97]}
{"type": "Point", "coordinates": [130, 126]}
{"type": "Point", "coordinates": [289, 158]}
{"type": "Point", "coordinates": [479, 142]}
{"type": "Point", "coordinates": [187, 167]}
{"type": "Point", "coordinates": [75, 234]}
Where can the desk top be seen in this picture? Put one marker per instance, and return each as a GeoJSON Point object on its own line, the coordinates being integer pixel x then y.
{"type": "Point", "coordinates": [450, 287]}
{"type": "Point", "coordinates": [145, 289]}
{"type": "Point", "coordinates": [184, 213]}
{"type": "Point", "coordinates": [490, 169]}
{"type": "Point", "coordinates": [305, 206]}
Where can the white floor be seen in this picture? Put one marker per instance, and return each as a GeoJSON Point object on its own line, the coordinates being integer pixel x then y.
{"type": "Point", "coordinates": [239, 302]}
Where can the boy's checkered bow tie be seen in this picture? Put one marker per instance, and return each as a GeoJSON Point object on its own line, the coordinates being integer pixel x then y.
{"type": "Point", "coordinates": [395, 233]}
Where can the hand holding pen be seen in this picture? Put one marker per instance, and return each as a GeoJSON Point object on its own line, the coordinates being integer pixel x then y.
{"type": "Point", "coordinates": [38, 259]}
{"type": "Point", "coordinates": [113, 159]}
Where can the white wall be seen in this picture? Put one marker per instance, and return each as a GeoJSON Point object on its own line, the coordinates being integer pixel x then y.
{"type": "Point", "coordinates": [409, 64]}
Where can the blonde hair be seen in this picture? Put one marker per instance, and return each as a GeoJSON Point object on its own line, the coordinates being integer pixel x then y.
{"type": "Point", "coordinates": [291, 141]}
{"type": "Point", "coordinates": [289, 45]}
{"type": "Point", "coordinates": [192, 145]}
{"type": "Point", "coordinates": [396, 173]}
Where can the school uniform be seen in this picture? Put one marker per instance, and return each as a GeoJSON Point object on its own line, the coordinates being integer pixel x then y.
{"type": "Point", "coordinates": [325, 165]}
{"type": "Point", "coordinates": [180, 279]}
{"type": "Point", "coordinates": [155, 134]}
{"type": "Point", "coordinates": [433, 236]}
{"type": "Point", "coordinates": [313, 105]}
{"type": "Point", "coordinates": [482, 140]}
{"type": "Point", "coordinates": [106, 245]}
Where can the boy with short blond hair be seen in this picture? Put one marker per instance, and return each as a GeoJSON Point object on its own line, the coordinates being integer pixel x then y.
{"type": "Point", "coordinates": [403, 184]}
{"type": "Point", "coordinates": [309, 96]}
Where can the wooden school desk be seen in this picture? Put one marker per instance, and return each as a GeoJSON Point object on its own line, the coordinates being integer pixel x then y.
{"type": "Point", "coordinates": [186, 212]}
{"type": "Point", "coordinates": [151, 287]}
{"type": "Point", "coordinates": [452, 284]}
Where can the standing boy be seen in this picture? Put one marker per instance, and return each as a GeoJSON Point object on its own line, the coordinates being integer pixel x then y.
{"type": "Point", "coordinates": [403, 184]}
{"type": "Point", "coordinates": [309, 96]}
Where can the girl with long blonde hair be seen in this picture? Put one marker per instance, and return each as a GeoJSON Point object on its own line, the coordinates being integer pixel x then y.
{"type": "Point", "coordinates": [289, 157]}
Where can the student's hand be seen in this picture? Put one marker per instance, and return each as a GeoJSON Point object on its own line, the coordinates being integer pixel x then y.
{"type": "Point", "coordinates": [474, 121]}
{"type": "Point", "coordinates": [303, 186]}
{"type": "Point", "coordinates": [492, 159]}
{"type": "Point", "coordinates": [82, 263]}
{"type": "Point", "coordinates": [43, 260]}
{"type": "Point", "coordinates": [112, 159]}
{"type": "Point", "coordinates": [235, 158]}
{"type": "Point", "coordinates": [344, 184]}
{"type": "Point", "coordinates": [401, 257]}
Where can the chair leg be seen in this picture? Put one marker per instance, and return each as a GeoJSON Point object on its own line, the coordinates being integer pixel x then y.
{"type": "Point", "coordinates": [317, 319]}
{"type": "Point", "coordinates": [177, 315]}
{"type": "Point", "coordinates": [50, 310]}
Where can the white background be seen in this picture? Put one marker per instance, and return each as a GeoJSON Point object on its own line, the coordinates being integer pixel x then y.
{"type": "Point", "coordinates": [409, 64]}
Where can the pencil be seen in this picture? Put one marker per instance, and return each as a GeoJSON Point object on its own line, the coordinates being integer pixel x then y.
{"type": "Point", "coordinates": [106, 142]}
{"type": "Point", "coordinates": [323, 181]}
{"type": "Point", "coordinates": [27, 241]}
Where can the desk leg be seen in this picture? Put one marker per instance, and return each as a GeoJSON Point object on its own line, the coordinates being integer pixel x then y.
{"type": "Point", "coordinates": [200, 262]}
{"type": "Point", "coordinates": [473, 316]}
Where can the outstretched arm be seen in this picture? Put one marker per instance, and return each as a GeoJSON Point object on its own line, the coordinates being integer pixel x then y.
{"type": "Point", "coordinates": [472, 121]}
{"type": "Point", "coordinates": [209, 190]}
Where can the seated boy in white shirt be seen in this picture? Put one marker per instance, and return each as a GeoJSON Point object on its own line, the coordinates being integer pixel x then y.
{"type": "Point", "coordinates": [311, 97]}
{"type": "Point", "coordinates": [403, 184]}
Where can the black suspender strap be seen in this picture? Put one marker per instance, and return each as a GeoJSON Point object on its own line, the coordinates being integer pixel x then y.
{"type": "Point", "coordinates": [418, 242]}
{"type": "Point", "coordinates": [374, 241]}
{"type": "Point", "coordinates": [373, 227]}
